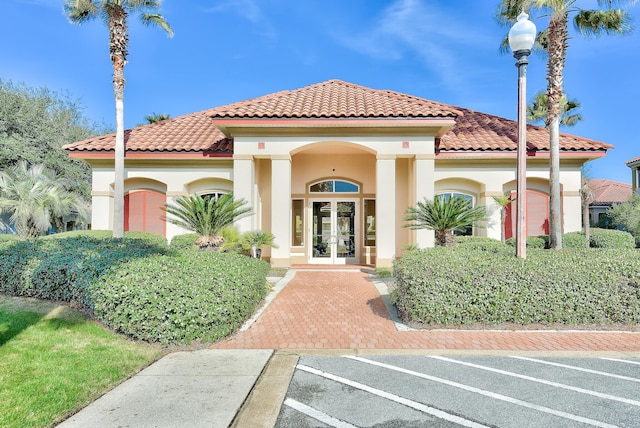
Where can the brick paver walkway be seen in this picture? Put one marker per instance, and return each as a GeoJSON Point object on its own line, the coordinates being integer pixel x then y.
{"type": "Point", "coordinates": [343, 310]}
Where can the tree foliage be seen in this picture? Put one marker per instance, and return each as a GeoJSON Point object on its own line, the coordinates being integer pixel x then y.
{"type": "Point", "coordinates": [569, 116]}
{"type": "Point", "coordinates": [627, 216]}
{"type": "Point", "coordinates": [35, 199]}
{"type": "Point", "coordinates": [34, 125]}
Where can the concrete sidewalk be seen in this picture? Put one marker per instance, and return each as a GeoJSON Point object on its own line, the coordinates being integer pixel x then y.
{"type": "Point", "coordinates": [203, 388]}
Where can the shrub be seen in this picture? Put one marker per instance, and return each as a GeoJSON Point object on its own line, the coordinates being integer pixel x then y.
{"type": "Point", "coordinates": [177, 299]}
{"type": "Point", "coordinates": [462, 286]}
{"type": "Point", "coordinates": [575, 240]}
{"type": "Point", "coordinates": [539, 242]}
{"type": "Point", "coordinates": [184, 242]}
{"type": "Point", "coordinates": [61, 267]}
{"type": "Point", "coordinates": [482, 243]}
{"type": "Point", "coordinates": [609, 238]}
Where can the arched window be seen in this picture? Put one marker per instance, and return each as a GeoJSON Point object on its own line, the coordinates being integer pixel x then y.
{"type": "Point", "coordinates": [446, 195]}
{"type": "Point", "coordinates": [214, 194]}
{"type": "Point", "coordinates": [334, 186]}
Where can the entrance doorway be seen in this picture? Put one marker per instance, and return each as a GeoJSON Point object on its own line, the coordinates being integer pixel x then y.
{"type": "Point", "coordinates": [333, 232]}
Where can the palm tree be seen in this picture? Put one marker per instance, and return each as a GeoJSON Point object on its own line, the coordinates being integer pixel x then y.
{"type": "Point", "coordinates": [206, 216]}
{"type": "Point", "coordinates": [34, 198]}
{"type": "Point", "coordinates": [156, 117]}
{"type": "Point", "coordinates": [555, 40]}
{"type": "Point", "coordinates": [115, 13]}
{"type": "Point", "coordinates": [444, 215]}
{"type": "Point", "coordinates": [537, 110]}
{"type": "Point", "coordinates": [503, 200]}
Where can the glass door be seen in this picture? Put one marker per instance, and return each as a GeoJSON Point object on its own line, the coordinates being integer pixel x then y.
{"type": "Point", "coordinates": [333, 231]}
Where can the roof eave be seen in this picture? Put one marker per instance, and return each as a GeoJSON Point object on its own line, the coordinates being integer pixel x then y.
{"type": "Point", "coordinates": [234, 127]}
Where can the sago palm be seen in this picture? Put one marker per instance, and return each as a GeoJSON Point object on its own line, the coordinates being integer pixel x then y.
{"type": "Point", "coordinates": [555, 40]}
{"type": "Point", "coordinates": [444, 216]}
{"type": "Point", "coordinates": [115, 13]}
{"type": "Point", "coordinates": [206, 216]}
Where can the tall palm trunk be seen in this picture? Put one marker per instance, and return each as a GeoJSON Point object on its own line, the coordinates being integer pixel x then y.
{"type": "Point", "coordinates": [118, 41]}
{"type": "Point", "coordinates": [555, 66]}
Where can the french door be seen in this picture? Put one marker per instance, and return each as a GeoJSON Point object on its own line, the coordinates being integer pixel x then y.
{"type": "Point", "coordinates": [334, 231]}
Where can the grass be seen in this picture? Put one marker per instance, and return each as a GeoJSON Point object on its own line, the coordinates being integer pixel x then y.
{"type": "Point", "coordinates": [54, 361]}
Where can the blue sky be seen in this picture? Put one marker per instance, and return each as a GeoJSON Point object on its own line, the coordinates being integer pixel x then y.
{"type": "Point", "coordinates": [229, 50]}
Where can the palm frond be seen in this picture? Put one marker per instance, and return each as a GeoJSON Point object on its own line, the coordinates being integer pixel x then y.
{"type": "Point", "coordinates": [598, 22]}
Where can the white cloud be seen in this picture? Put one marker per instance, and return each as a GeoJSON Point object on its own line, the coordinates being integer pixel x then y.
{"type": "Point", "coordinates": [415, 28]}
{"type": "Point", "coordinates": [248, 10]}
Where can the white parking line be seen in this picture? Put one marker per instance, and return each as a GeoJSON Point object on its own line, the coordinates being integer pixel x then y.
{"type": "Point", "coordinates": [550, 363]}
{"type": "Point", "coordinates": [621, 361]}
{"type": "Point", "coordinates": [543, 381]}
{"type": "Point", "coordinates": [405, 401]}
{"type": "Point", "coordinates": [486, 393]}
{"type": "Point", "coordinates": [317, 414]}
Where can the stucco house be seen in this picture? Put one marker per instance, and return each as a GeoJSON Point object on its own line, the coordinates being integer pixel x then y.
{"type": "Point", "coordinates": [605, 194]}
{"type": "Point", "coordinates": [330, 168]}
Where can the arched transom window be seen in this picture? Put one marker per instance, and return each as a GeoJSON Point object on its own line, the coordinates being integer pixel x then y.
{"type": "Point", "coordinates": [334, 186]}
{"type": "Point", "coordinates": [446, 195]}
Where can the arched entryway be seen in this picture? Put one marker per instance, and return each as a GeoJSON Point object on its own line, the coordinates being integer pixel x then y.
{"type": "Point", "coordinates": [143, 203]}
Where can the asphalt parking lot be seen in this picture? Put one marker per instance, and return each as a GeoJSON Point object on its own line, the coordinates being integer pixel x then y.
{"type": "Point", "coordinates": [469, 391]}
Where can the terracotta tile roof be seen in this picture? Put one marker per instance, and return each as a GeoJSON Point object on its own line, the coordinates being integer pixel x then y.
{"type": "Point", "coordinates": [632, 161]}
{"type": "Point", "coordinates": [607, 192]}
{"type": "Point", "coordinates": [193, 132]}
{"type": "Point", "coordinates": [480, 131]}
{"type": "Point", "coordinates": [334, 99]}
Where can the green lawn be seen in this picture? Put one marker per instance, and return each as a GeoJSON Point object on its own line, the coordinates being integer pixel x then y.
{"type": "Point", "coordinates": [54, 361]}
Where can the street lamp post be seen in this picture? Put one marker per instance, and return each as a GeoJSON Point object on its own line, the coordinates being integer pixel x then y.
{"type": "Point", "coordinates": [521, 39]}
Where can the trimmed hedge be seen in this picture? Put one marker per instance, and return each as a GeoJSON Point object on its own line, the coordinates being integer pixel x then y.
{"type": "Point", "coordinates": [610, 238]}
{"type": "Point", "coordinates": [137, 285]}
{"type": "Point", "coordinates": [171, 299]}
{"type": "Point", "coordinates": [482, 243]}
{"type": "Point", "coordinates": [184, 242]}
{"type": "Point", "coordinates": [463, 286]}
{"type": "Point", "coordinates": [539, 242]}
{"type": "Point", "coordinates": [61, 267]}
{"type": "Point", "coordinates": [575, 240]}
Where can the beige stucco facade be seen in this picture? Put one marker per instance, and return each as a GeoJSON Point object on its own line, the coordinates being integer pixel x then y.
{"type": "Point", "coordinates": [274, 174]}
{"type": "Point", "coordinates": [330, 169]}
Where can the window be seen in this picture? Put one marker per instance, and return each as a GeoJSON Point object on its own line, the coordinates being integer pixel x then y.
{"type": "Point", "coordinates": [297, 222]}
{"type": "Point", "coordinates": [369, 222]}
{"type": "Point", "coordinates": [334, 186]}
{"type": "Point", "coordinates": [210, 195]}
{"type": "Point", "coordinates": [446, 195]}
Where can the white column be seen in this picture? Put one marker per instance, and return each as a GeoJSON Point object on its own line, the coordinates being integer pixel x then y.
{"type": "Point", "coordinates": [494, 224]}
{"type": "Point", "coordinates": [281, 210]}
{"type": "Point", "coordinates": [244, 179]}
{"type": "Point", "coordinates": [101, 210]}
{"type": "Point", "coordinates": [572, 211]}
{"type": "Point", "coordinates": [425, 188]}
{"type": "Point", "coordinates": [385, 210]}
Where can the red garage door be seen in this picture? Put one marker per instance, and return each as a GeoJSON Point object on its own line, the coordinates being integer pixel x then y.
{"type": "Point", "coordinates": [143, 211]}
{"type": "Point", "coordinates": [537, 215]}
